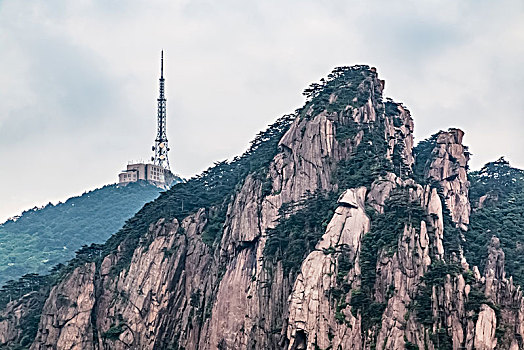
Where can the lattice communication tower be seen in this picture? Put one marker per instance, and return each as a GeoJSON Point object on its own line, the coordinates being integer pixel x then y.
{"type": "Point", "coordinates": [161, 146]}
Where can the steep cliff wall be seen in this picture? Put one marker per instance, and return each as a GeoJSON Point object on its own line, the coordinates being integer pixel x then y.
{"type": "Point", "coordinates": [19, 320]}
{"type": "Point", "coordinates": [448, 166]}
{"type": "Point", "coordinates": [330, 244]}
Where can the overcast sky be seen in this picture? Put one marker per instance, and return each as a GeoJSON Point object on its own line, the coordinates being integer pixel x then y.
{"type": "Point", "coordinates": [79, 79]}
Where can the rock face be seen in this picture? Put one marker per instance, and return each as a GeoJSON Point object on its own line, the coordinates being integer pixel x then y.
{"type": "Point", "coordinates": [15, 320]}
{"type": "Point", "coordinates": [312, 318]}
{"type": "Point", "coordinates": [449, 168]}
{"type": "Point", "coordinates": [378, 276]}
{"type": "Point", "coordinates": [66, 317]}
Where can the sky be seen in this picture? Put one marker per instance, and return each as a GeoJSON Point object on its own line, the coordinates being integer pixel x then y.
{"type": "Point", "coordinates": [79, 79]}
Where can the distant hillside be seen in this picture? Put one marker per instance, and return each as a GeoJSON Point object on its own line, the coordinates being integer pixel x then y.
{"type": "Point", "coordinates": [43, 237]}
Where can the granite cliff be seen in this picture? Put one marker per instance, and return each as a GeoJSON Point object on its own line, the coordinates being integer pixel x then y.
{"type": "Point", "coordinates": [331, 232]}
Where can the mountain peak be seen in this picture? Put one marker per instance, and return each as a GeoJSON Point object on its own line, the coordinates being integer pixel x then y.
{"type": "Point", "coordinates": [331, 231]}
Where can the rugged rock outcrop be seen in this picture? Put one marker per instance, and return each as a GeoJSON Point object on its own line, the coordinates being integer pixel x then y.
{"type": "Point", "coordinates": [449, 168]}
{"type": "Point", "coordinates": [66, 316]}
{"type": "Point", "coordinates": [312, 317]}
{"type": "Point", "coordinates": [377, 276]}
{"type": "Point", "coordinates": [16, 318]}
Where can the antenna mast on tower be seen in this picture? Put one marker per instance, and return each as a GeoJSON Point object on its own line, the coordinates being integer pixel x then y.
{"type": "Point", "coordinates": [161, 148]}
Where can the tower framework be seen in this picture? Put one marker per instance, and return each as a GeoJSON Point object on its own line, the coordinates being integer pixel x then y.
{"type": "Point", "coordinates": [161, 145]}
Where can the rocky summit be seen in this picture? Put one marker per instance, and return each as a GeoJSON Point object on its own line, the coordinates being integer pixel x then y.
{"type": "Point", "coordinates": [330, 232]}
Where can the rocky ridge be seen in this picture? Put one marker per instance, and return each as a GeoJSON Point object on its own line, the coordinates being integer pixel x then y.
{"type": "Point", "coordinates": [378, 275]}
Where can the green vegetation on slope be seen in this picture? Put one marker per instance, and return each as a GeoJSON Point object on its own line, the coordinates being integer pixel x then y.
{"type": "Point", "coordinates": [436, 276]}
{"type": "Point", "coordinates": [302, 224]}
{"type": "Point", "coordinates": [299, 228]}
{"type": "Point", "coordinates": [33, 295]}
{"type": "Point", "coordinates": [423, 152]}
{"type": "Point", "coordinates": [424, 156]}
{"type": "Point", "coordinates": [501, 215]}
{"type": "Point", "coordinates": [368, 162]}
{"type": "Point", "coordinates": [43, 237]}
{"type": "Point", "coordinates": [211, 189]}
{"type": "Point", "coordinates": [399, 211]}
{"type": "Point", "coordinates": [352, 86]}
{"type": "Point", "coordinates": [424, 304]}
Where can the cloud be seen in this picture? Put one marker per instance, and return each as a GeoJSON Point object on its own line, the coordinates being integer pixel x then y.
{"type": "Point", "coordinates": [79, 79]}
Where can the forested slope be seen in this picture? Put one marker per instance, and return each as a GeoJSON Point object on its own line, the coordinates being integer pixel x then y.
{"type": "Point", "coordinates": [497, 196]}
{"type": "Point", "coordinates": [42, 237]}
